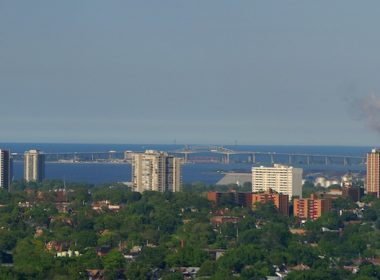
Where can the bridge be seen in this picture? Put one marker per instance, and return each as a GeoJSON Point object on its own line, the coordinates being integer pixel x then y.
{"type": "Point", "coordinates": [256, 157]}
{"type": "Point", "coordinates": [71, 157]}
{"type": "Point", "coordinates": [212, 154]}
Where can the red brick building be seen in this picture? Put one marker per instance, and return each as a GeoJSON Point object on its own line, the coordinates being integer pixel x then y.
{"type": "Point", "coordinates": [311, 208]}
{"type": "Point", "coordinates": [243, 199]}
{"type": "Point", "coordinates": [373, 173]}
{"type": "Point", "coordinates": [354, 193]}
{"type": "Point", "coordinates": [214, 197]}
{"type": "Point", "coordinates": [281, 201]}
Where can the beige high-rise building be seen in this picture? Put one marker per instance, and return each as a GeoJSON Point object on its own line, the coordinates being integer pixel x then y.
{"type": "Point", "coordinates": [373, 173]}
{"type": "Point", "coordinates": [34, 166]}
{"type": "Point", "coordinates": [156, 171]}
{"type": "Point", "coordinates": [280, 178]}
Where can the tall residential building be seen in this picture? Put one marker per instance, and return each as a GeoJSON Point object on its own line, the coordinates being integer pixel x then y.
{"type": "Point", "coordinates": [5, 169]}
{"type": "Point", "coordinates": [156, 171]}
{"type": "Point", "coordinates": [34, 166]}
{"type": "Point", "coordinates": [280, 178]}
{"type": "Point", "coordinates": [373, 172]}
{"type": "Point", "coordinates": [311, 208]}
{"type": "Point", "coordinates": [281, 201]}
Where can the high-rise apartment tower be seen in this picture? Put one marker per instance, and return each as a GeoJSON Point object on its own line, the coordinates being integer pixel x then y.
{"type": "Point", "coordinates": [5, 169]}
{"type": "Point", "coordinates": [34, 166]}
{"type": "Point", "coordinates": [156, 171]}
{"type": "Point", "coordinates": [373, 172]}
{"type": "Point", "coordinates": [280, 178]}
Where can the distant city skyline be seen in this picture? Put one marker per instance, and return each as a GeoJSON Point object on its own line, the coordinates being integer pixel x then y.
{"type": "Point", "coordinates": [210, 72]}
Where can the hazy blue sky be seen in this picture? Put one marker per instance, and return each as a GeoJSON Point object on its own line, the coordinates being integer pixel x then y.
{"type": "Point", "coordinates": [258, 72]}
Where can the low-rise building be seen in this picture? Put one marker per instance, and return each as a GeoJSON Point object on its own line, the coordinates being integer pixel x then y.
{"type": "Point", "coordinates": [297, 231]}
{"type": "Point", "coordinates": [243, 199]}
{"type": "Point", "coordinates": [55, 246]}
{"type": "Point", "coordinates": [215, 254]}
{"type": "Point", "coordinates": [103, 251]}
{"type": "Point", "coordinates": [219, 220]}
{"type": "Point", "coordinates": [99, 206]}
{"type": "Point", "coordinates": [311, 208]}
{"type": "Point", "coordinates": [281, 201]}
{"type": "Point", "coordinates": [326, 182]}
{"type": "Point", "coordinates": [354, 193]}
{"type": "Point", "coordinates": [68, 254]}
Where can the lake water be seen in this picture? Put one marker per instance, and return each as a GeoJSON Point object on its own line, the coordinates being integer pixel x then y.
{"type": "Point", "coordinates": [97, 173]}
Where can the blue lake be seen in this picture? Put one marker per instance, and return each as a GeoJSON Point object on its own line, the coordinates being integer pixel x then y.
{"type": "Point", "coordinates": [98, 173]}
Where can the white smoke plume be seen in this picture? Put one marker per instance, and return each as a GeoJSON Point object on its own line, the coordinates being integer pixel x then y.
{"type": "Point", "coordinates": [367, 109]}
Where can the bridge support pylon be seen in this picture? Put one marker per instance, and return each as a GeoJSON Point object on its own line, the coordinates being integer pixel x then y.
{"type": "Point", "coordinates": [227, 158]}
{"type": "Point", "coordinates": [253, 159]}
{"type": "Point", "coordinates": [186, 158]}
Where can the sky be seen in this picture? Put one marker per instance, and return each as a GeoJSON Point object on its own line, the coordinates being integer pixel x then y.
{"type": "Point", "coordinates": [185, 72]}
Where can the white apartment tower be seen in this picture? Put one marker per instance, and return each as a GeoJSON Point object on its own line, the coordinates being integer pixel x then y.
{"type": "Point", "coordinates": [156, 171]}
{"type": "Point", "coordinates": [5, 169]}
{"type": "Point", "coordinates": [34, 166]}
{"type": "Point", "coordinates": [280, 178]}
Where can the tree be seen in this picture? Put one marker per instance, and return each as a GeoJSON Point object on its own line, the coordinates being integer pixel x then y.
{"type": "Point", "coordinates": [257, 271]}
{"type": "Point", "coordinates": [342, 203]}
{"type": "Point", "coordinates": [84, 239]}
{"type": "Point", "coordinates": [227, 200]}
{"type": "Point", "coordinates": [187, 256]}
{"type": "Point", "coordinates": [7, 240]}
{"type": "Point", "coordinates": [153, 257]}
{"type": "Point", "coordinates": [138, 271]}
{"type": "Point", "coordinates": [318, 274]}
{"type": "Point", "coordinates": [268, 211]}
{"type": "Point", "coordinates": [7, 273]}
{"type": "Point", "coordinates": [297, 253]}
{"type": "Point", "coordinates": [207, 268]}
{"type": "Point", "coordinates": [173, 276]}
{"type": "Point", "coordinates": [113, 263]}
{"type": "Point", "coordinates": [369, 214]}
{"type": "Point", "coordinates": [369, 270]}
{"type": "Point", "coordinates": [31, 259]}
{"type": "Point", "coordinates": [236, 259]}
{"type": "Point", "coordinates": [109, 238]}
{"type": "Point", "coordinates": [222, 274]}
{"type": "Point", "coordinates": [90, 260]}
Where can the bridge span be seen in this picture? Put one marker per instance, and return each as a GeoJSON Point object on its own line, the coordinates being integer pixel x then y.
{"type": "Point", "coordinates": [258, 157]}
{"type": "Point", "coordinates": [211, 154]}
